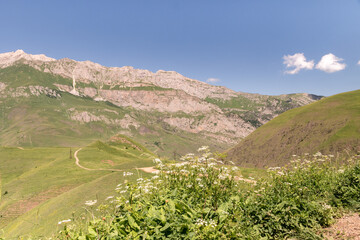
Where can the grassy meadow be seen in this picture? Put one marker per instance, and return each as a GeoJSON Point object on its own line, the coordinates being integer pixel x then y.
{"type": "Point", "coordinates": [41, 186]}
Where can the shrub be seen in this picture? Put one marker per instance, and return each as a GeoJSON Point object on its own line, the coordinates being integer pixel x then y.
{"type": "Point", "coordinates": [200, 198]}
{"type": "Point", "coordinates": [347, 190]}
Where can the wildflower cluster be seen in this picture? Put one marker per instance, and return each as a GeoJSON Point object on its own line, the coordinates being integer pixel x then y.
{"type": "Point", "coordinates": [200, 198]}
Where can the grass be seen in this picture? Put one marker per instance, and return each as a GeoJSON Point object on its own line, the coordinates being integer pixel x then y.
{"type": "Point", "coordinates": [330, 125]}
{"type": "Point", "coordinates": [41, 186]}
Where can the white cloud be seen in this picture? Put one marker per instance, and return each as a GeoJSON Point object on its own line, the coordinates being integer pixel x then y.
{"type": "Point", "coordinates": [298, 62]}
{"type": "Point", "coordinates": [330, 63]}
{"type": "Point", "coordinates": [213, 80]}
{"type": "Point", "coordinates": [359, 62]}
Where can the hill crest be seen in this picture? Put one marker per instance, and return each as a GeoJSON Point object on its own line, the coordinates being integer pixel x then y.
{"type": "Point", "coordinates": [331, 126]}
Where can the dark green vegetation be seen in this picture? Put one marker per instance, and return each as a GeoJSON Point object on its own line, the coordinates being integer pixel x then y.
{"type": "Point", "coordinates": [331, 125]}
{"type": "Point", "coordinates": [42, 186]}
{"type": "Point", "coordinates": [47, 121]}
{"type": "Point", "coordinates": [202, 200]}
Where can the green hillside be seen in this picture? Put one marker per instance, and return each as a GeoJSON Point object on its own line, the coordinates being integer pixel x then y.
{"type": "Point", "coordinates": [42, 120]}
{"type": "Point", "coordinates": [331, 125]}
{"type": "Point", "coordinates": [42, 186]}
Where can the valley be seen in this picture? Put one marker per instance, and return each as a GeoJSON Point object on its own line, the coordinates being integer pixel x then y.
{"type": "Point", "coordinates": [80, 144]}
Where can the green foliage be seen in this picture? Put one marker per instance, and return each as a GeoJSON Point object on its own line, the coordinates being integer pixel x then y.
{"type": "Point", "coordinates": [347, 190]}
{"type": "Point", "coordinates": [201, 199]}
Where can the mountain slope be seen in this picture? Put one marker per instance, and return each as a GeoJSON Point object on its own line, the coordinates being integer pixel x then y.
{"type": "Point", "coordinates": [79, 102]}
{"type": "Point", "coordinates": [330, 125]}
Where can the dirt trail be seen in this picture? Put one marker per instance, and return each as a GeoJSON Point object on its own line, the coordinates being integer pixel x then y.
{"type": "Point", "coordinates": [77, 162]}
{"type": "Point", "coordinates": [347, 227]}
{"type": "Point", "coordinates": [145, 169]}
{"type": "Point", "coordinates": [149, 170]}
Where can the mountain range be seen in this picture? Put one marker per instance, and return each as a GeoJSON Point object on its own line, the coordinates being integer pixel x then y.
{"type": "Point", "coordinates": [49, 102]}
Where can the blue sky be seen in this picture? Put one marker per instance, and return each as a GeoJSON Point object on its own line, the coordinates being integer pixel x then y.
{"type": "Point", "coordinates": [240, 42]}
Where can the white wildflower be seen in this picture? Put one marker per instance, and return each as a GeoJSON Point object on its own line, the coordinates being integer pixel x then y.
{"type": "Point", "coordinates": [200, 222]}
{"type": "Point", "coordinates": [212, 164]}
{"type": "Point", "coordinates": [203, 148]}
{"type": "Point", "coordinates": [318, 154]}
{"type": "Point", "coordinates": [64, 221]}
{"type": "Point", "coordinates": [109, 197]}
{"type": "Point", "coordinates": [128, 174]}
{"type": "Point", "coordinates": [90, 202]}
{"type": "Point", "coordinates": [325, 206]}
{"type": "Point", "coordinates": [157, 161]}
{"type": "Point", "coordinates": [202, 159]}
{"type": "Point", "coordinates": [184, 171]}
{"type": "Point", "coordinates": [223, 176]}
{"type": "Point", "coordinates": [212, 223]}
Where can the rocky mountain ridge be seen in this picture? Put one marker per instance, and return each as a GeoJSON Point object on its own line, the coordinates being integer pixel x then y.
{"type": "Point", "coordinates": [189, 105]}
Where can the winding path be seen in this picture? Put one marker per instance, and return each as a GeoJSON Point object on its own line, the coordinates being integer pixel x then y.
{"type": "Point", "coordinates": [77, 162]}
{"type": "Point", "coordinates": [145, 169]}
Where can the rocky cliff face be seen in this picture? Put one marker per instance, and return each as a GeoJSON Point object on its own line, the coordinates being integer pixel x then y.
{"type": "Point", "coordinates": [186, 104]}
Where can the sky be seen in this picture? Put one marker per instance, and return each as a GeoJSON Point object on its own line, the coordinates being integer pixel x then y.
{"type": "Point", "coordinates": [257, 46]}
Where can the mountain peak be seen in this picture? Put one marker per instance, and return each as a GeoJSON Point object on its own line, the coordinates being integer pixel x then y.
{"type": "Point", "coordinates": [9, 58]}
{"type": "Point", "coordinates": [19, 51]}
